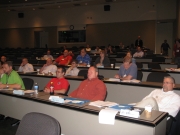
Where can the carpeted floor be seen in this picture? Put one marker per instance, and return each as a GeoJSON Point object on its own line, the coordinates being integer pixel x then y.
{"type": "Point", "coordinates": [6, 128]}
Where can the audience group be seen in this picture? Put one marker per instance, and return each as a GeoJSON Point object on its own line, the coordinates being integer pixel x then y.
{"type": "Point", "coordinates": [91, 88]}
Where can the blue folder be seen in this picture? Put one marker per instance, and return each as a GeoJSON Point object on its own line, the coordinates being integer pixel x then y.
{"type": "Point", "coordinates": [122, 106]}
{"type": "Point", "coordinates": [81, 103]}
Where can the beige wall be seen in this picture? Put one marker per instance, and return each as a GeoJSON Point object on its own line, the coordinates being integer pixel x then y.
{"type": "Point", "coordinates": [123, 22]}
{"type": "Point", "coordinates": [24, 37]}
{"type": "Point", "coordinates": [127, 32]}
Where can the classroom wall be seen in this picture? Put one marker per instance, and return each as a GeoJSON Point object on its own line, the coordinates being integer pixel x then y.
{"type": "Point", "coordinates": [19, 32]}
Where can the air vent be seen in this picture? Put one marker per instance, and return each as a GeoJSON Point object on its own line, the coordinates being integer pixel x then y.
{"type": "Point", "coordinates": [77, 4]}
{"type": "Point", "coordinates": [50, 3]}
{"type": "Point", "coordinates": [65, 1]}
{"type": "Point", "coordinates": [16, 5]}
{"type": "Point", "coordinates": [12, 10]}
{"type": "Point", "coordinates": [109, 0]}
{"type": "Point", "coordinates": [41, 8]}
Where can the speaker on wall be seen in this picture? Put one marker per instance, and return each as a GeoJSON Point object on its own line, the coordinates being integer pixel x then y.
{"type": "Point", "coordinates": [21, 15]}
{"type": "Point", "coordinates": [107, 7]}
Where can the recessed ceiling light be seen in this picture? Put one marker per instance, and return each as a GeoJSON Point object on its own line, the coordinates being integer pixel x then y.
{"type": "Point", "coordinates": [85, 3]}
{"type": "Point", "coordinates": [25, 0]}
{"type": "Point", "coordinates": [9, 10]}
{"type": "Point", "coordinates": [59, 6]}
{"type": "Point", "coordinates": [34, 9]}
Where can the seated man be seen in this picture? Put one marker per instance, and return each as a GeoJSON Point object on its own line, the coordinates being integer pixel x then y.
{"type": "Point", "coordinates": [92, 88]}
{"type": "Point", "coordinates": [60, 83]}
{"type": "Point", "coordinates": [73, 70]}
{"type": "Point", "coordinates": [11, 78]}
{"type": "Point", "coordinates": [48, 55]}
{"type": "Point", "coordinates": [83, 59]}
{"type": "Point", "coordinates": [128, 70]}
{"type": "Point", "coordinates": [25, 66]}
{"type": "Point", "coordinates": [49, 67]}
{"type": "Point", "coordinates": [3, 59]}
{"type": "Point", "coordinates": [64, 59]}
{"type": "Point", "coordinates": [164, 99]}
{"type": "Point", "coordinates": [1, 73]}
{"type": "Point", "coordinates": [139, 53]}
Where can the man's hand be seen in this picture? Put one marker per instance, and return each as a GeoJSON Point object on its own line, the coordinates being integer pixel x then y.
{"type": "Point", "coordinates": [117, 76]}
{"type": "Point", "coordinates": [47, 90]}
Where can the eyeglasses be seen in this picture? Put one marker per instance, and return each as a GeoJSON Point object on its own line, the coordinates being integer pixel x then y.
{"type": "Point", "coordinates": [167, 83]}
{"type": "Point", "coordinates": [58, 72]}
{"type": "Point", "coordinates": [73, 63]}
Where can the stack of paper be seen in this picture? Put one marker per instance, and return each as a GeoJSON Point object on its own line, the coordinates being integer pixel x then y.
{"type": "Point", "coordinates": [114, 79]}
{"type": "Point", "coordinates": [102, 103]}
{"type": "Point", "coordinates": [56, 99]}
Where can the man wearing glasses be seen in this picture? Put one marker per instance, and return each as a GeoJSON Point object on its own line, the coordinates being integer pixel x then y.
{"type": "Point", "coordinates": [60, 83]}
{"type": "Point", "coordinates": [83, 59]}
{"type": "Point", "coordinates": [73, 70]}
{"type": "Point", "coordinates": [164, 99]}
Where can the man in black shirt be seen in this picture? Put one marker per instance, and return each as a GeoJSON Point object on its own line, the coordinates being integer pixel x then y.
{"type": "Point", "coordinates": [164, 48]}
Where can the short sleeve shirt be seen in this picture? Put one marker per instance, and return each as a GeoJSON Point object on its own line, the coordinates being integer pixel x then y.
{"type": "Point", "coordinates": [13, 78]}
{"type": "Point", "coordinates": [132, 70]}
{"type": "Point", "coordinates": [61, 60]}
{"type": "Point", "coordinates": [86, 59]}
{"type": "Point", "coordinates": [59, 83]}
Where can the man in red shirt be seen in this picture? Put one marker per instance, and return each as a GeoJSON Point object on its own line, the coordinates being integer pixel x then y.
{"type": "Point", "coordinates": [92, 88]}
{"type": "Point", "coordinates": [64, 59]}
{"type": "Point", "coordinates": [60, 83]}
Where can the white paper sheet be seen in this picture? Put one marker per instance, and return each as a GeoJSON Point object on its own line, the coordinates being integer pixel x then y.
{"type": "Point", "coordinates": [107, 116]}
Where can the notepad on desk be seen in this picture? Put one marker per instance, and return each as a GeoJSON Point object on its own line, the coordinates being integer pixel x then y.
{"type": "Point", "coordinates": [102, 103]}
{"type": "Point", "coordinates": [114, 79]}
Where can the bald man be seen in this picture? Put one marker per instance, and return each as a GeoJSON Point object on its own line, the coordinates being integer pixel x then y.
{"type": "Point", "coordinates": [49, 67]}
{"type": "Point", "coordinates": [92, 88]}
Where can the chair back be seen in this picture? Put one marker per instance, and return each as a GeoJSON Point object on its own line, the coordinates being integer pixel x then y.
{"type": "Point", "coordinates": [83, 72]}
{"type": "Point", "coordinates": [139, 65]}
{"type": "Point", "coordinates": [38, 124]}
{"type": "Point", "coordinates": [158, 59]}
{"type": "Point", "coordinates": [28, 83]}
{"type": "Point", "coordinates": [154, 66]}
{"type": "Point", "coordinates": [156, 77]}
{"type": "Point", "coordinates": [139, 75]}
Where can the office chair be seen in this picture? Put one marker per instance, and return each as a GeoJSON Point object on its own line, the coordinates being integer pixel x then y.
{"type": "Point", "coordinates": [38, 124]}
{"type": "Point", "coordinates": [139, 75]}
{"type": "Point", "coordinates": [156, 77]}
{"type": "Point", "coordinates": [173, 124]}
{"type": "Point", "coordinates": [83, 72]}
{"type": "Point", "coordinates": [42, 62]}
{"type": "Point", "coordinates": [28, 83]}
{"type": "Point", "coordinates": [139, 65]}
{"type": "Point", "coordinates": [158, 59]}
{"type": "Point", "coordinates": [113, 61]}
{"type": "Point", "coordinates": [154, 66]}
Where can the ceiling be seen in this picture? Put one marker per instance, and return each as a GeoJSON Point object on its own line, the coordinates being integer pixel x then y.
{"type": "Point", "coordinates": [24, 5]}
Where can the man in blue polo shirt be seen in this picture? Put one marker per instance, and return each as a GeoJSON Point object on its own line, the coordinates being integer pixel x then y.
{"type": "Point", "coordinates": [83, 59]}
{"type": "Point", "coordinates": [128, 70]}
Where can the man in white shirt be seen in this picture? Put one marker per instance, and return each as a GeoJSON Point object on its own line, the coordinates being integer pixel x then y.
{"type": "Point", "coordinates": [73, 70]}
{"type": "Point", "coordinates": [48, 55]}
{"type": "Point", "coordinates": [49, 67]}
{"type": "Point", "coordinates": [25, 66]}
{"type": "Point", "coordinates": [165, 99]}
{"type": "Point", "coordinates": [139, 53]}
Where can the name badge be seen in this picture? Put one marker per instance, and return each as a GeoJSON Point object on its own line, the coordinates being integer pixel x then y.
{"type": "Point", "coordinates": [124, 75]}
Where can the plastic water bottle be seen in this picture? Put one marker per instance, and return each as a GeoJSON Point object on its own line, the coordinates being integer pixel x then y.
{"type": "Point", "coordinates": [36, 87]}
{"type": "Point", "coordinates": [51, 89]}
{"type": "Point", "coordinates": [88, 64]}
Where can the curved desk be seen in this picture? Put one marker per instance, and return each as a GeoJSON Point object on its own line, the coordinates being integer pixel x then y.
{"type": "Point", "coordinates": [80, 120]}
{"type": "Point", "coordinates": [117, 91]}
